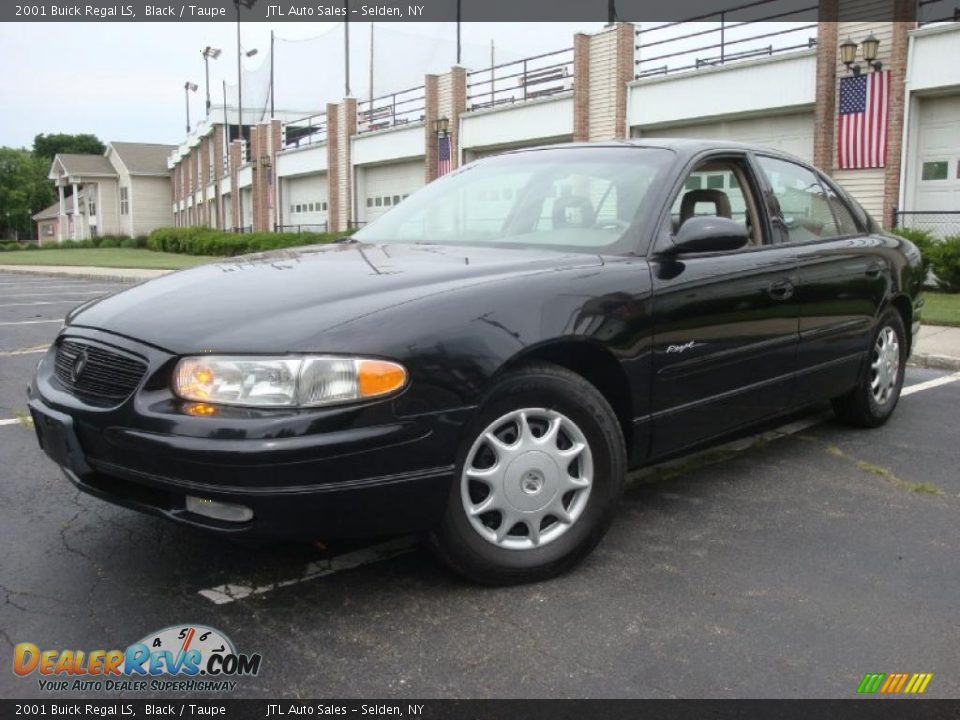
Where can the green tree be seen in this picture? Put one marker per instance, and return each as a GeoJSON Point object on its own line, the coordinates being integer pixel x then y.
{"type": "Point", "coordinates": [46, 146]}
{"type": "Point", "coordinates": [24, 190]}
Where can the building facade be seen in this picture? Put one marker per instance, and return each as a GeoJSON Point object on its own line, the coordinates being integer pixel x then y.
{"type": "Point", "coordinates": [350, 163]}
{"type": "Point", "coordinates": [125, 191]}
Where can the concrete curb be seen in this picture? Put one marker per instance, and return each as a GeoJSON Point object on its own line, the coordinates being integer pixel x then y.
{"type": "Point", "coordinates": [135, 275]}
{"type": "Point", "coordinates": [937, 362]}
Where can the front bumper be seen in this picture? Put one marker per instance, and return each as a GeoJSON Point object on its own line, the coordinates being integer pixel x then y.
{"type": "Point", "coordinates": [332, 473]}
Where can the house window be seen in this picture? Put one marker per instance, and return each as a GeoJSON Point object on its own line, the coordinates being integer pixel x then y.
{"type": "Point", "coordinates": [378, 201]}
{"type": "Point", "coordinates": [91, 208]}
{"type": "Point", "coordinates": [369, 202]}
{"type": "Point", "coordinates": [396, 199]}
{"type": "Point", "coordinates": [935, 170]}
{"type": "Point", "coordinates": [324, 206]}
{"type": "Point", "coordinates": [124, 201]}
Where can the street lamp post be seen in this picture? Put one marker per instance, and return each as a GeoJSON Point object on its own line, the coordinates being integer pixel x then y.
{"type": "Point", "coordinates": [209, 53]}
{"type": "Point", "coordinates": [188, 87]}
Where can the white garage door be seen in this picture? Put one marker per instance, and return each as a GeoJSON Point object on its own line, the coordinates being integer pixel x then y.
{"type": "Point", "coordinates": [789, 133]}
{"type": "Point", "coordinates": [383, 186]}
{"type": "Point", "coordinates": [305, 202]}
{"type": "Point", "coordinates": [937, 170]}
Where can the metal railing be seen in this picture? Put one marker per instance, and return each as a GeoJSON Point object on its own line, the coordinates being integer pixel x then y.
{"type": "Point", "coordinates": [301, 228]}
{"type": "Point", "coordinates": [732, 35]}
{"type": "Point", "coordinates": [242, 230]}
{"type": "Point", "coordinates": [935, 11]}
{"type": "Point", "coordinates": [398, 108]}
{"type": "Point", "coordinates": [939, 223]}
{"type": "Point", "coordinates": [309, 130]}
{"type": "Point", "coordinates": [521, 80]}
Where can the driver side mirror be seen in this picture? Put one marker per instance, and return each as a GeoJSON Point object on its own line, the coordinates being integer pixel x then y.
{"type": "Point", "coordinates": [709, 233]}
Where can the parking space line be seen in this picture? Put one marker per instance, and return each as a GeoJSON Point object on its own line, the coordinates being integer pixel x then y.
{"type": "Point", "coordinates": [25, 351]}
{"type": "Point", "coordinates": [936, 382]}
{"type": "Point", "coordinates": [11, 421]}
{"type": "Point", "coordinates": [40, 295]}
{"type": "Point", "coordinates": [40, 302]}
{"type": "Point", "coordinates": [31, 322]}
{"type": "Point", "coordinates": [223, 594]}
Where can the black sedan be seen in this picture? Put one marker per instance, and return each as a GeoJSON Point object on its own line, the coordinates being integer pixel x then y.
{"type": "Point", "coordinates": [486, 361]}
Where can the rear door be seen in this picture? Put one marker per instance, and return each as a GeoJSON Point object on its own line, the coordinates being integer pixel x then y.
{"type": "Point", "coordinates": [843, 275]}
{"type": "Point", "coordinates": [725, 323]}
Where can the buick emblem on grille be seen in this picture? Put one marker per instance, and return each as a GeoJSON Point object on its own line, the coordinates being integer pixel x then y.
{"type": "Point", "coordinates": [79, 363]}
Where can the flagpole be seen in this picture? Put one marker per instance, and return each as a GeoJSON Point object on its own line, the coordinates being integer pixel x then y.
{"type": "Point", "coordinates": [346, 48]}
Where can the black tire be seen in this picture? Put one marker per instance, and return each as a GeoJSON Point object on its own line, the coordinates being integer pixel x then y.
{"type": "Point", "coordinates": [460, 546]}
{"type": "Point", "coordinates": [860, 407]}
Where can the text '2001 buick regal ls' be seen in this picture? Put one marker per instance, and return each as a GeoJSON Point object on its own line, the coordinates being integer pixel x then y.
{"type": "Point", "coordinates": [485, 362]}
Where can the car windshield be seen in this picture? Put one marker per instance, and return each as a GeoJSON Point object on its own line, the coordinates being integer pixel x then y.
{"type": "Point", "coordinates": [576, 199]}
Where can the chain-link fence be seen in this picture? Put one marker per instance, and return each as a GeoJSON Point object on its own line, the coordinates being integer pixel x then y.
{"type": "Point", "coordinates": [939, 223]}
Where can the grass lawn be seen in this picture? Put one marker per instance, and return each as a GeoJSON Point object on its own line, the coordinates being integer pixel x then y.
{"type": "Point", "coordinates": [941, 309]}
{"type": "Point", "coordinates": [103, 257]}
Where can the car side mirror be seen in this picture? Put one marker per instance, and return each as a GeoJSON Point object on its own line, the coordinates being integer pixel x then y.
{"type": "Point", "coordinates": [709, 233]}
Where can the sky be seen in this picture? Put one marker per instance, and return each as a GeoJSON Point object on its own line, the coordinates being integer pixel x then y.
{"type": "Point", "coordinates": [124, 81]}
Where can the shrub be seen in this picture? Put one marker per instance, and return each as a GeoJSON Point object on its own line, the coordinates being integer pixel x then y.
{"type": "Point", "coordinates": [946, 264]}
{"type": "Point", "coordinates": [129, 243]}
{"type": "Point", "coordinates": [925, 242]}
{"type": "Point", "coordinates": [207, 241]}
{"type": "Point", "coordinates": [110, 242]}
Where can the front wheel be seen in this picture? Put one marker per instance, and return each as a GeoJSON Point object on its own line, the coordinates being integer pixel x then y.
{"type": "Point", "coordinates": [538, 479]}
{"type": "Point", "coordinates": [872, 401]}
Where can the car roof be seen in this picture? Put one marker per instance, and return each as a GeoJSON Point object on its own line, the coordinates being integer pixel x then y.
{"type": "Point", "coordinates": [686, 147]}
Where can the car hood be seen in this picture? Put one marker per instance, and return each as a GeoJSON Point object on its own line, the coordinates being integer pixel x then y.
{"type": "Point", "coordinates": [282, 301]}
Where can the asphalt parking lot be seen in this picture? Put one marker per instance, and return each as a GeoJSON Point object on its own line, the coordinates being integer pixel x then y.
{"type": "Point", "coordinates": [785, 565]}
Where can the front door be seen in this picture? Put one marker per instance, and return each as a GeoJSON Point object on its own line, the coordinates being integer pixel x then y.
{"type": "Point", "coordinates": [726, 323]}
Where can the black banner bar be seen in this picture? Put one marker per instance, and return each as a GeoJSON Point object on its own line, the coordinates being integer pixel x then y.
{"type": "Point", "coordinates": [854, 709]}
{"type": "Point", "coordinates": [446, 10]}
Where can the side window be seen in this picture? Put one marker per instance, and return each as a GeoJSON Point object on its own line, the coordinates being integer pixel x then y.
{"type": "Point", "coordinates": [717, 188]}
{"type": "Point", "coordinates": [804, 208]}
{"type": "Point", "coordinates": [841, 213]}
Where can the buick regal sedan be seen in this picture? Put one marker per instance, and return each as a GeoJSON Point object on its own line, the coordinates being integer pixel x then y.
{"type": "Point", "coordinates": [484, 363]}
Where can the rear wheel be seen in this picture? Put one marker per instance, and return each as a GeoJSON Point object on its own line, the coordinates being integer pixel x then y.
{"type": "Point", "coordinates": [872, 401]}
{"type": "Point", "coordinates": [538, 479]}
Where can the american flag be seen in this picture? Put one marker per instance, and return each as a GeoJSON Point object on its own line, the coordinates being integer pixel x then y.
{"type": "Point", "coordinates": [862, 125]}
{"type": "Point", "coordinates": [443, 155]}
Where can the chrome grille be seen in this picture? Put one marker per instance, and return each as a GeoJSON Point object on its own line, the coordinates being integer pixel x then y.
{"type": "Point", "coordinates": [103, 377]}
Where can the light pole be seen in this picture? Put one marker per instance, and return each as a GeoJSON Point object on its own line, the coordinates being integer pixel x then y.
{"type": "Point", "coordinates": [188, 87]}
{"type": "Point", "coordinates": [209, 53]}
{"type": "Point", "coordinates": [247, 4]}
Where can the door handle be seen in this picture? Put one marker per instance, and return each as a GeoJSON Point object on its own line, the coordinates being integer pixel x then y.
{"type": "Point", "coordinates": [780, 289]}
{"type": "Point", "coordinates": [873, 270]}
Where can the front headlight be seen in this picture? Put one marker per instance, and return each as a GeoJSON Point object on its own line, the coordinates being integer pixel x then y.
{"type": "Point", "coordinates": [305, 381]}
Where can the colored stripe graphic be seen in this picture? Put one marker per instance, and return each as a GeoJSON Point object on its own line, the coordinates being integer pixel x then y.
{"type": "Point", "coordinates": [894, 683]}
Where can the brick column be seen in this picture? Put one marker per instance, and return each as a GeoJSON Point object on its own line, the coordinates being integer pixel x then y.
{"type": "Point", "coordinates": [217, 176]}
{"type": "Point", "coordinates": [430, 116]}
{"type": "Point", "coordinates": [204, 177]}
{"type": "Point", "coordinates": [258, 199]}
{"type": "Point", "coordinates": [581, 87]}
{"type": "Point", "coordinates": [236, 159]}
{"type": "Point", "coordinates": [603, 65]}
{"type": "Point", "coordinates": [333, 165]}
{"type": "Point", "coordinates": [341, 127]}
{"type": "Point", "coordinates": [898, 73]}
{"type": "Point", "coordinates": [276, 199]}
{"type": "Point", "coordinates": [825, 103]}
{"type": "Point", "coordinates": [457, 106]}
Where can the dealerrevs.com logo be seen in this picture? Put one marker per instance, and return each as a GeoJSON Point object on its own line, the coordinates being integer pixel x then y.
{"type": "Point", "coordinates": [181, 658]}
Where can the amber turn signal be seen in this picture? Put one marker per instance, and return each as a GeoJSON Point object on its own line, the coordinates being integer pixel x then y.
{"type": "Point", "coordinates": [379, 377]}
